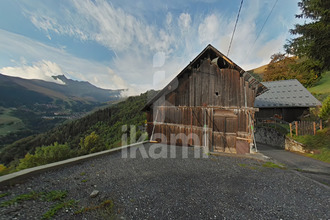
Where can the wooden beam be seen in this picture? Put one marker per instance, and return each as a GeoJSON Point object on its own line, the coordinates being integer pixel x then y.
{"type": "Point", "coordinates": [296, 123]}
{"type": "Point", "coordinates": [290, 129]}
{"type": "Point", "coordinates": [246, 139]}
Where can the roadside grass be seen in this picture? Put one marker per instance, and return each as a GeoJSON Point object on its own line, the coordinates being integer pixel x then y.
{"type": "Point", "coordinates": [52, 196]}
{"type": "Point", "coordinates": [319, 143]}
{"type": "Point", "coordinates": [52, 212]}
{"type": "Point", "coordinates": [264, 165]}
{"type": "Point", "coordinates": [4, 195]}
{"type": "Point", "coordinates": [324, 155]}
{"type": "Point", "coordinates": [274, 165]}
{"type": "Point", "coordinates": [20, 198]}
{"type": "Point", "coordinates": [105, 208]}
{"type": "Point", "coordinates": [58, 197]}
{"type": "Point", "coordinates": [55, 195]}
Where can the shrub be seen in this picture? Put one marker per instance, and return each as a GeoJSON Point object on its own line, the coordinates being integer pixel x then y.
{"type": "Point", "coordinates": [325, 110]}
{"type": "Point", "coordinates": [91, 143]}
{"type": "Point", "coordinates": [45, 155]}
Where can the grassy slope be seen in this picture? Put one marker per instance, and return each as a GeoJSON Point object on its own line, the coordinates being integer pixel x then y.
{"type": "Point", "coordinates": [259, 70]}
{"type": "Point", "coordinates": [323, 86]}
{"type": "Point", "coordinates": [320, 142]}
{"type": "Point", "coordinates": [9, 123]}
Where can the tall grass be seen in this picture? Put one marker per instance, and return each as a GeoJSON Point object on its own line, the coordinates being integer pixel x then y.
{"type": "Point", "coordinates": [320, 143]}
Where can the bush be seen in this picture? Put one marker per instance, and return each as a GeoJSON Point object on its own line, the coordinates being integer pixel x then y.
{"type": "Point", "coordinates": [325, 110]}
{"type": "Point", "coordinates": [91, 143]}
{"type": "Point", "coordinates": [44, 155]}
{"type": "Point", "coordinates": [3, 170]}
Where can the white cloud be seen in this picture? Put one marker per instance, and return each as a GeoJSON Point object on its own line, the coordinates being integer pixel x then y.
{"type": "Point", "coordinates": [184, 21]}
{"type": "Point", "coordinates": [209, 29]}
{"type": "Point", "coordinates": [169, 18]}
{"type": "Point", "coordinates": [46, 23]}
{"type": "Point", "coordinates": [135, 40]}
{"type": "Point", "coordinates": [42, 61]}
{"type": "Point", "coordinates": [41, 70]}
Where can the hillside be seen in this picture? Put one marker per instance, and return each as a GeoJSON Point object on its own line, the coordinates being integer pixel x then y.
{"type": "Point", "coordinates": [33, 106]}
{"type": "Point", "coordinates": [323, 86]}
{"type": "Point", "coordinates": [106, 123]}
{"type": "Point", "coordinates": [16, 91]}
{"type": "Point", "coordinates": [259, 70]}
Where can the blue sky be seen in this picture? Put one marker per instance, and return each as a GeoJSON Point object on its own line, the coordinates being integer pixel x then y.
{"type": "Point", "coordinates": [140, 45]}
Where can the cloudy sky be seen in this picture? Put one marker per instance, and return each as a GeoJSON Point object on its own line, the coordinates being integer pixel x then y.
{"type": "Point", "coordinates": [140, 45]}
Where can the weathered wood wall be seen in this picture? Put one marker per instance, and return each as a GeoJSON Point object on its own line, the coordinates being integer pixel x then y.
{"type": "Point", "coordinates": [286, 114]}
{"type": "Point", "coordinates": [210, 86]}
{"type": "Point", "coordinates": [210, 103]}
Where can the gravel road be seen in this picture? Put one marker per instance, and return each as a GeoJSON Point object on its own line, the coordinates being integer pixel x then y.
{"type": "Point", "coordinates": [309, 167]}
{"type": "Point", "coordinates": [216, 187]}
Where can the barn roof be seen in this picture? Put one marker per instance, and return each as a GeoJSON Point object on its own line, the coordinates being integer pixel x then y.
{"type": "Point", "coordinates": [212, 53]}
{"type": "Point", "coordinates": [286, 93]}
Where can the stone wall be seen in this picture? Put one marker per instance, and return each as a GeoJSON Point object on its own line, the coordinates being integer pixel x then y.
{"type": "Point", "coordinates": [270, 137]}
{"type": "Point", "coordinates": [273, 138]}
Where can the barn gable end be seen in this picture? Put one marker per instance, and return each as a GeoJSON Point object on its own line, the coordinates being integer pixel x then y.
{"type": "Point", "coordinates": [210, 103]}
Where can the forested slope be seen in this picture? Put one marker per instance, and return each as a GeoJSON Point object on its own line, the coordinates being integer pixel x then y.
{"type": "Point", "coordinates": [105, 124]}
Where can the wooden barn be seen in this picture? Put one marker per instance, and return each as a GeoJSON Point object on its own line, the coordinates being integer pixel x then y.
{"type": "Point", "coordinates": [210, 103]}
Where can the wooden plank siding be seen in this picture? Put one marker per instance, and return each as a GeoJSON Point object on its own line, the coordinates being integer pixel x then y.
{"type": "Point", "coordinates": [208, 100]}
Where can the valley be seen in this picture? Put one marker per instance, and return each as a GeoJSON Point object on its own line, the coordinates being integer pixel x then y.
{"type": "Point", "coordinates": [30, 107]}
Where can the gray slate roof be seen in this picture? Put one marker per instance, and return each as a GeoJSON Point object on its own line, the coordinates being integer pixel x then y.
{"type": "Point", "coordinates": [285, 93]}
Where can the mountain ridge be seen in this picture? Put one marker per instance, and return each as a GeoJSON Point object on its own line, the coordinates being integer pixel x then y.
{"type": "Point", "coordinates": [32, 106]}
{"type": "Point", "coordinates": [71, 89]}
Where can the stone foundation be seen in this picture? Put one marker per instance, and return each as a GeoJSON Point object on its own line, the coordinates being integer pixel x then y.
{"type": "Point", "coordinates": [273, 138]}
{"type": "Point", "coordinates": [270, 137]}
{"type": "Point", "coordinates": [292, 145]}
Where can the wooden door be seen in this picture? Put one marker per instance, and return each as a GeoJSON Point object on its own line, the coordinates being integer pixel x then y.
{"type": "Point", "coordinates": [225, 125]}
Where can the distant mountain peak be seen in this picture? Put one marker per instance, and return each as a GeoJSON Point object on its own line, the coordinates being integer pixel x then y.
{"type": "Point", "coordinates": [68, 81]}
{"type": "Point", "coordinates": [61, 78]}
{"type": "Point", "coordinates": [67, 89]}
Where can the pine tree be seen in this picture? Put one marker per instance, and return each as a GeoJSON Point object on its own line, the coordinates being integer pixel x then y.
{"type": "Point", "coordinates": [313, 38]}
